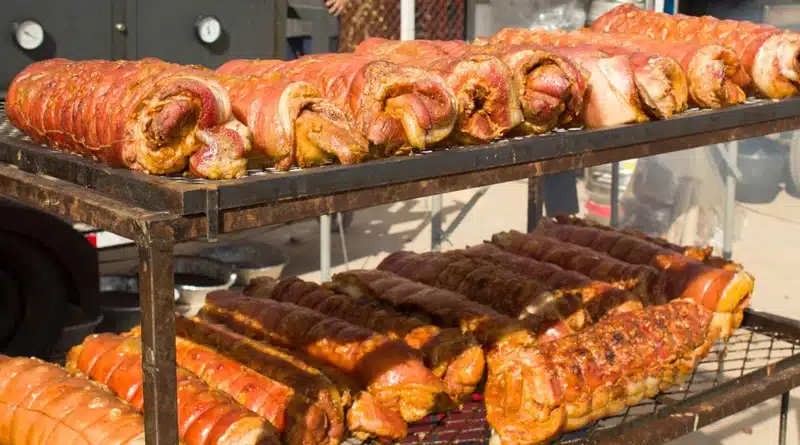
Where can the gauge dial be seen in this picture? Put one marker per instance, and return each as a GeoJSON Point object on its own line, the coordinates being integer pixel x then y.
{"type": "Point", "coordinates": [209, 29]}
{"type": "Point", "coordinates": [29, 34]}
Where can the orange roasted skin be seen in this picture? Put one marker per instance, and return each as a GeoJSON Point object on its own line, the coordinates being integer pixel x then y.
{"type": "Point", "coordinates": [578, 379]}
{"type": "Point", "coordinates": [42, 403]}
{"type": "Point", "coordinates": [205, 416]}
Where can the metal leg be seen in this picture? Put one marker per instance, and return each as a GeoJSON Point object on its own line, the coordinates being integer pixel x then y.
{"type": "Point", "coordinates": [436, 223]}
{"type": "Point", "coordinates": [784, 419]}
{"type": "Point", "coordinates": [614, 221]}
{"type": "Point", "coordinates": [157, 301]}
{"type": "Point", "coordinates": [730, 203]}
{"type": "Point", "coordinates": [535, 202]}
{"type": "Point", "coordinates": [325, 247]}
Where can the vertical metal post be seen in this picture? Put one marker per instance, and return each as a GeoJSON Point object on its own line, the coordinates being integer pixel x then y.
{"type": "Point", "coordinates": [535, 202]}
{"type": "Point", "coordinates": [408, 19]}
{"type": "Point", "coordinates": [436, 223]}
{"type": "Point", "coordinates": [730, 203]}
{"type": "Point", "coordinates": [784, 419]}
{"type": "Point", "coordinates": [325, 247]}
{"type": "Point", "coordinates": [614, 220]}
{"type": "Point", "coordinates": [157, 301]}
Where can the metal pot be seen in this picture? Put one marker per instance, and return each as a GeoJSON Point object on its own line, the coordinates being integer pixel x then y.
{"type": "Point", "coordinates": [250, 259]}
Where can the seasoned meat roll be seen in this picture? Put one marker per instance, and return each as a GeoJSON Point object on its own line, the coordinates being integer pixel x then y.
{"type": "Point", "coordinates": [147, 115]}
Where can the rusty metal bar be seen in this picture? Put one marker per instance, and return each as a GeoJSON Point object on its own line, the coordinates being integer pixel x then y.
{"type": "Point", "coordinates": [535, 202]}
{"type": "Point", "coordinates": [784, 419]}
{"type": "Point", "coordinates": [157, 302]}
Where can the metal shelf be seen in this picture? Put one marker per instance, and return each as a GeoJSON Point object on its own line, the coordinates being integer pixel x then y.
{"type": "Point", "coordinates": [157, 212]}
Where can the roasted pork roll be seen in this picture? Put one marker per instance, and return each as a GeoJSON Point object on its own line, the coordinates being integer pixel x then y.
{"type": "Point", "coordinates": [42, 403]}
{"type": "Point", "coordinates": [389, 369]}
{"type": "Point", "coordinates": [488, 99]}
{"type": "Point", "coordinates": [395, 108]}
{"type": "Point", "coordinates": [292, 124]}
{"type": "Point", "coordinates": [595, 373]}
{"type": "Point", "coordinates": [550, 88]}
{"type": "Point", "coordinates": [718, 290]}
{"type": "Point", "coordinates": [146, 115]}
{"type": "Point", "coordinates": [205, 416]}
{"type": "Point", "coordinates": [453, 356]}
{"type": "Point", "coordinates": [547, 313]}
{"type": "Point", "coordinates": [659, 81]}
{"type": "Point", "coordinates": [770, 55]}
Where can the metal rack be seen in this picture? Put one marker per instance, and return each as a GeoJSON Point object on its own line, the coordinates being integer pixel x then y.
{"type": "Point", "coordinates": [158, 212]}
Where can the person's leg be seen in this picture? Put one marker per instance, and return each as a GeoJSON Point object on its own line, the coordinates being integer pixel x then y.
{"type": "Point", "coordinates": [560, 192]}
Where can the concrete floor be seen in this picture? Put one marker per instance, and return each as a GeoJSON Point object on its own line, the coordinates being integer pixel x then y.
{"type": "Point", "coordinates": [768, 248]}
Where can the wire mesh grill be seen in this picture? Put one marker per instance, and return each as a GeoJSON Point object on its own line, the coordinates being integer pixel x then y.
{"type": "Point", "coordinates": [746, 351]}
{"type": "Point", "coordinates": [8, 130]}
{"type": "Point", "coordinates": [434, 20]}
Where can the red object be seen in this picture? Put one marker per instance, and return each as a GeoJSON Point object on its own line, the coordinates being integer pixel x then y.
{"type": "Point", "coordinates": [598, 209]}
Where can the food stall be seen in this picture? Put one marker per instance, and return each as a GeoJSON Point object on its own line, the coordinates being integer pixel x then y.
{"type": "Point", "coordinates": [621, 338]}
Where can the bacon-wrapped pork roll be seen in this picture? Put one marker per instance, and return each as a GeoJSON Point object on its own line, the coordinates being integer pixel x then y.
{"type": "Point", "coordinates": [599, 298]}
{"type": "Point", "coordinates": [205, 416]}
{"type": "Point", "coordinates": [41, 403]}
{"type": "Point", "coordinates": [718, 290]}
{"type": "Point", "coordinates": [292, 124]}
{"type": "Point", "coordinates": [643, 280]}
{"type": "Point", "coordinates": [365, 418]}
{"type": "Point", "coordinates": [770, 55]}
{"type": "Point", "coordinates": [660, 83]}
{"type": "Point", "coordinates": [454, 357]}
{"type": "Point", "coordinates": [592, 374]}
{"type": "Point", "coordinates": [146, 115]}
{"type": "Point", "coordinates": [714, 73]}
{"type": "Point", "coordinates": [550, 88]}
{"type": "Point", "coordinates": [549, 314]}
{"type": "Point", "coordinates": [389, 369]}
{"type": "Point", "coordinates": [395, 108]}
{"type": "Point", "coordinates": [488, 99]}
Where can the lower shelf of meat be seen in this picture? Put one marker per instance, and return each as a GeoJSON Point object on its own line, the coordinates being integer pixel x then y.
{"type": "Point", "coordinates": [744, 352]}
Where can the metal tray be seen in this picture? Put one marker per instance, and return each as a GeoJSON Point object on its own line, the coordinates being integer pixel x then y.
{"type": "Point", "coordinates": [435, 172]}
{"type": "Point", "coordinates": [760, 361]}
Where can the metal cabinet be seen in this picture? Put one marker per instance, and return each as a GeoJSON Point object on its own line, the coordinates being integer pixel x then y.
{"type": "Point", "coordinates": [206, 32]}
{"type": "Point", "coordinates": [32, 30]}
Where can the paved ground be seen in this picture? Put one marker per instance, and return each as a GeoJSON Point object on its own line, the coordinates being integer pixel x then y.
{"type": "Point", "coordinates": [768, 248]}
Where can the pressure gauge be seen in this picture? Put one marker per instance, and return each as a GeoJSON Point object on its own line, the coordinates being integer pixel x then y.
{"type": "Point", "coordinates": [208, 29]}
{"type": "Point", "coordinates": [29, 34]}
